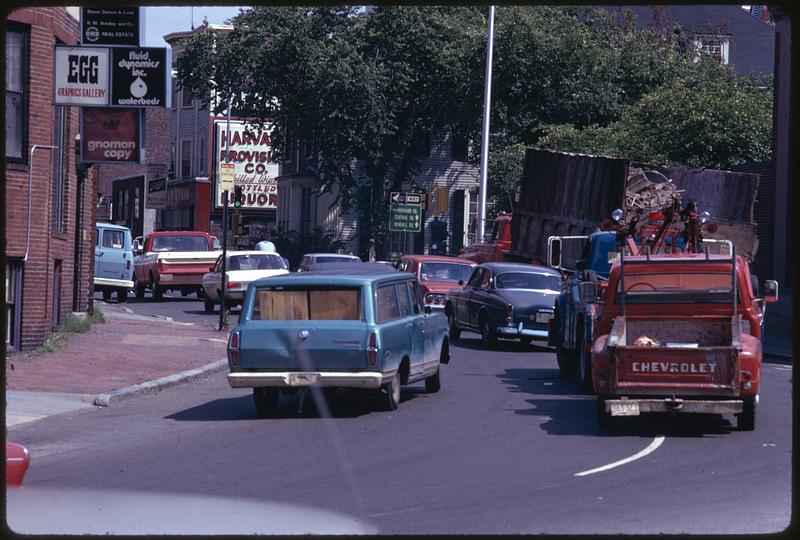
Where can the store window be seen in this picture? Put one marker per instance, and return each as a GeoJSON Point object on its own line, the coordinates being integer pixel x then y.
{"type": "Point", "coordinates": [305, 210]}
{"type": "Point", "coordinates": [13, 303]}
{"type": "Point", "coordinates": [186, 158]}
{"type": "Point", "coordinates": [16, 98]}
{"type": "Point", "coordinates": [59, 154]}
{"type": "Point", "coordinates": [56, 315]}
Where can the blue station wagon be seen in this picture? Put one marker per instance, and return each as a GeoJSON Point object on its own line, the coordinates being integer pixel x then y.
{"type": "Point", "coordinates": [357, 326]}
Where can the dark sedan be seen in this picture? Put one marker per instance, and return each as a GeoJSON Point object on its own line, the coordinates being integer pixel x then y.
{"type": "Point", "coordinates": [504, 300]}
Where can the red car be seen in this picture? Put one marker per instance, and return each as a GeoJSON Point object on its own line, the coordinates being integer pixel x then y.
{"type": "Point", "coordinates": [437, 275]}
{"type": "Point", "coordinates": [17, 459]}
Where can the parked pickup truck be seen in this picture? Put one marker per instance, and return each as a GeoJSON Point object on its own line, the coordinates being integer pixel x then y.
{"type": "Point", "coordinates": [173, 260]}
{"type": "Point", "coordinates": [353, 326]}
{"type": "Point", "coordinates": [678, 334]}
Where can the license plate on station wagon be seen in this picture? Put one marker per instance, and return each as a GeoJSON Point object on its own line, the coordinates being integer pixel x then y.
{"type": "Point", "coordinates": [303, 379]}
{"type": "Point", "coordinates": [622, 408]}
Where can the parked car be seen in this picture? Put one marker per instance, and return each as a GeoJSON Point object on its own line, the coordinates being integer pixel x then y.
{"type": "Point", "coordinates": [241, 269]}
{"type": "Point", "coordinates": [363, 328]}
{"type": "Point", "coordinates": [321, 258]}
{"type": "Point", "coordinates": [504, 300]}
{"type": "Point", "coordinates": [17, 461]}
{"type": "Point", "coordinates": [436, 275]}
{"type": "Point", "coordinates": [113, 261]}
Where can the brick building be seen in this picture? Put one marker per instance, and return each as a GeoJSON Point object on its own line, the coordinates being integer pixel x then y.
{"type": "Point", "coordinates": [49, 212]}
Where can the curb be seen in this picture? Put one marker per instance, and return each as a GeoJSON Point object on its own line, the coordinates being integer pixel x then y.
{"type": "Point", "coordinates": [104, 400]}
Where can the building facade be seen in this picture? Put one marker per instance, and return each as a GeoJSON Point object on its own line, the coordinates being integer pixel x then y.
{"type": "Point", "coordinates": [49, 195]}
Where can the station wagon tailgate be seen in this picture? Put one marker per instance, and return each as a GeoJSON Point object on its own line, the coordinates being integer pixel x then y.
{"type": "Point", "coordinates": [305, 328]}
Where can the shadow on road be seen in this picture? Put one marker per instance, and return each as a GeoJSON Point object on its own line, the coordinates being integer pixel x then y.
{"type": "Point", "coordinates": [341, 404]}
{"type": "Point", "coordinates": [575, 413]}
{"type": "Point", "coordinates": [503, 345]}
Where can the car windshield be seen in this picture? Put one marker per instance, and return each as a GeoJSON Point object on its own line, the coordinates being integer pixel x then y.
{"type": "Point", "coordinates": [444, 271]}
{"type": "Point", "coordinates": [256, 262]}
{"type": "Point", "coordinates": [180, 243]}
{"type": "Point", "coordinates": [528, 280]}
{"type": "Point", "coordinates": [334, 259]}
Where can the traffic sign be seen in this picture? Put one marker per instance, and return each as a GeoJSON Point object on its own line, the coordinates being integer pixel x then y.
{"type": "Point", "coordinates": [405, 217]}
{"type": "Point", "coordinates": [397, 197]}
{"type": "Point", "coordinates": [227, 176]}
{"type": "Point", "coordinates": [413, 198]}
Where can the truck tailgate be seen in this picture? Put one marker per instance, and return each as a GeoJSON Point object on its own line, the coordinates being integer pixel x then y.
{"type": "Point", "coordinates": [701, 371]}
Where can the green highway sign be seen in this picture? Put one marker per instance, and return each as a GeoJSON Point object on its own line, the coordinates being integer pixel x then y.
{"type": "Point", "coordinates": [405, 217]}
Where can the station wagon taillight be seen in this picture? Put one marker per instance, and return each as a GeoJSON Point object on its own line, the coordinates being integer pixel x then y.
{"type": "Point", "coordinates": [233, 349]}
{"type": "Point", "coordinates": [372, 349]}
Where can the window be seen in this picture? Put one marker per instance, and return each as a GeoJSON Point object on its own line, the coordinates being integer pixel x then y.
{"type": "Point", "coordinates": [59, 154]}
{"type": "Point", "coordinates": [460, 147]}
{"type": "Point", "coordinates": [186, 98]}
{"type": "Point", "coordinates": [56, 315]}
{"type": "Point", "coordinates": [186, 158]}
{"type": "Point", "coordinates": [477, 275]}
{"type": "Point", "coordinates": [402, 295]}
{"type": "Point", "coordinates": [715, 46]}
{"type": "Point", "coordinates": [305, 210]}
{"type": "Point", "coordinates": [413, 290]}
{"type": "Point", "coordinates": [386, 304]}
{"type": "Point", "coordinates": [113, 239]}
{"type": "Point", "coordinates": [305, 304]}
{"type": "Point", "coordinates": [201, 157]}
{"type": "Point", "coordinates": [291, 146]}
{"type": "Point", "coordinates": [13, 303]}
{"type": "Point", "coordinates": [16, 83]}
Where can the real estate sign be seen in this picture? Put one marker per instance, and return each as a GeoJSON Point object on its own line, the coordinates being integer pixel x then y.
{"type": "Point", "coordinates": [255, 169]}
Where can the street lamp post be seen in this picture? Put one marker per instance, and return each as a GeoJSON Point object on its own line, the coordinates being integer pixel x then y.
{"type": "Point", "coordinates": [487, 98]}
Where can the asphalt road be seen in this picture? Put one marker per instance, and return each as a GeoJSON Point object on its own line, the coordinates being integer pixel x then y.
{"type": "Point", "coordinates": [506, 446]}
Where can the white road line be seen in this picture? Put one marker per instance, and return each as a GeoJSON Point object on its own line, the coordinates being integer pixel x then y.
{"type": "Point", "coordinates": [650, 448]}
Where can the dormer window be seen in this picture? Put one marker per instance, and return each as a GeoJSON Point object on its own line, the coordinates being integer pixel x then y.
{"type": "Point", "coordinates": [716, 46]}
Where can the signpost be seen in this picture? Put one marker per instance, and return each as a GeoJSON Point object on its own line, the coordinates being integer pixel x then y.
{"type": "Point", "coordinates": [227, 175]}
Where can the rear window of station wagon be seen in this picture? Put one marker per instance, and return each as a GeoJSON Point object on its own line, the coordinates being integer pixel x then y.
{"type": "Point", "coordinates": [307, 303]}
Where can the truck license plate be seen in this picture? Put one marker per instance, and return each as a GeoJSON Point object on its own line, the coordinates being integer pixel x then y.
{"type": "Point", "coordinates": [543, 317]}
{"type": "Point", "coordinates": [302, 379]}
{"type": "Point", "coordinates": [166, 277]}
{"type": "Point", "coordinates": [621, 408]}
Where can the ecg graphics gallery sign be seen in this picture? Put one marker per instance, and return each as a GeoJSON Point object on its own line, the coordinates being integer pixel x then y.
{"type": "Point", "coordinates": [81, 76]}
{"type": "Point", "coordinates": [250, 151]}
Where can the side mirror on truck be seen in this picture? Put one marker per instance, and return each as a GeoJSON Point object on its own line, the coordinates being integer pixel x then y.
{"type": "Point", "coordinates": [771, 290]}
{"type": "Point", "coordinates": [554, 252]}
{"type": "Point", "coordinates": [588, 292]}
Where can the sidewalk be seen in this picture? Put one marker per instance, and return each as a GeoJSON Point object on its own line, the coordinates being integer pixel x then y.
{"type": "Point", "coordinates": [127, 355]}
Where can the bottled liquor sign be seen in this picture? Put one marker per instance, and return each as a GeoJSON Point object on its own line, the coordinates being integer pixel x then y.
{"type": "Point", "coordinates": [110, 26]}
{"type": "Point", "coordinates": [139, 77]}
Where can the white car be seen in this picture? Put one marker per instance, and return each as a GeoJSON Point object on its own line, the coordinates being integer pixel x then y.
{"type": "Point", "coordinates": [313, 259]}
{"type": "Point", "coordinates": [242, 267]}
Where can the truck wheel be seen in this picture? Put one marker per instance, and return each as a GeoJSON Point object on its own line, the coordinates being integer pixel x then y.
{"type": "Point", "coordinates": [584, 368]}
{"type": "Point", "coordinates": [488, 336]}
{"type": "Point", "coordinates": [266, 400]}
{"type": "Point", "coordinates": [433, 383]}
{"type": "Point", "coordinates": [201, 294]}
{"type": "Point", "coordinates": [122, 295]}
{"type": "Point", "coordinates": [158, 292]}
{"type": "Point", "coordinates": [604, 420]}
{"type": "Point", "coordinates": [746, 420]}
{"type": "Point", "coordinates": [392, 397]}
{"type": "Point", "coordinates": [208, 304]}
{"type": "Point", "coordinates": [139, 290]}
{"type": "Point", "coordinates": [106, 295]}
{"type": "Point", "coordinates": [455, 331]}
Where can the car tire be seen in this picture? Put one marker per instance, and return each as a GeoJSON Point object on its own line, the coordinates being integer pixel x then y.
{"type": "Point", "coordinates": [266, 400]}
{"type": "Point", "coordinates": [526, 341]}
{"type": "Point", "coordinates": [488, 335]}
{"type": "Point", "coordinates": [746, 420]}
{"type": "Point", "coordinates": [392, 390]}
{"type": "Point", "coordinates": [139, 290]}
{"type": "Point", "coordinates": [122, 296]}
{"type": "Point", "coordinates": [433, 383]}
{"type": "Point", "coordinates": [455, 331]}
{"type": "Point", "coordinates": [158, 292]}
{"type": "Point", "coordinates": [604, 420]}
{"type": "Point", "coordinates": [106, 295]}
{"type": "Point", "coordinates": [208, 304]}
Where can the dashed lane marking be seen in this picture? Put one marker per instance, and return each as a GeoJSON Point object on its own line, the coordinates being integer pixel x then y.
{"type": "Point", "coordinates": [650, 448]}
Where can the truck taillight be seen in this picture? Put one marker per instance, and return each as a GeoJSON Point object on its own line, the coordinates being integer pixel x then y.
{"type": "Point", "coordinates": [233, 349]}
{"type": "Point", "coordinates": [509, 314]}
{"type": "Point", "coordinates": [372, 349]}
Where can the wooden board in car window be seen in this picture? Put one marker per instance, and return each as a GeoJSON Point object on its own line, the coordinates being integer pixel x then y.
{"type": "Point", "coordinates": [335, 305]}
{"type": "Point", "coordinates": [283, 305]}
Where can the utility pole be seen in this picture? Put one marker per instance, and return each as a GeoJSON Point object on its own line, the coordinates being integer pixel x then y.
{"type": "Point", "coordinates": [222, 317]}
{"type": "Point", "coordinates": [487, 98]}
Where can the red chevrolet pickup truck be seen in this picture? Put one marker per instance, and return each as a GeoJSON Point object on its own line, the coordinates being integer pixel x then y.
{"type": "Point", "coordinates": [173, 260]}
